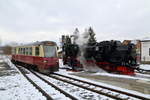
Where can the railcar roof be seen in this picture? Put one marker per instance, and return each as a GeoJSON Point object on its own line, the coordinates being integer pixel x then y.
{"type": "Point", "coordinates": [37, 43]}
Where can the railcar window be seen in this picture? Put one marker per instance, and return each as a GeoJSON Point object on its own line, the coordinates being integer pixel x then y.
{"type": "Point", "coordinates": [149, 51]}
{"type": "Point", "coordinates": [50, 51]}
{"type": "Point", "coordinates": [37, 51]}
{"type": "Point", "coordinates": [24, 51]}
{"type": "Point", "coordinates": [30, 51]}
{"type": "Point", "coordinates": [15, 51]}
{"type": "Point", "coordinates": [19, 51]}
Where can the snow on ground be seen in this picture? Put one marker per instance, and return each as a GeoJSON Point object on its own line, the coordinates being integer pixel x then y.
{"type": "Point", "coordinates": [50, 90]}
{"type": "Point", "coordinates": [137, 76]}
{"type": "Point", "coordinates": [81, 94]}
{"type": "Point", "coordinates": [145, 66]}
{"type": "Point", "coordinates": [122, 76]}
{"type": "Point", "coordinates": [68, 73]}
{"type": "Point", "coordinates": [16, 87]}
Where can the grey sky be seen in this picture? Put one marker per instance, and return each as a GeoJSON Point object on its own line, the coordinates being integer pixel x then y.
{"type": "Point", "coordinates": [32, 20]}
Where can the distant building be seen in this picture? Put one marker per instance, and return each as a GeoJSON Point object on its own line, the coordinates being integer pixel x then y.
{"type": "Point", "coordinates": [137, 47]}
{"type": "Point", "coordinates": [126, 42]}
{"type": "Point", "coordinates": [145, 51]}
{"type": "Point", "coordinates": [5, 50]}
{"type": "Point", "coordinates": [1, 50]}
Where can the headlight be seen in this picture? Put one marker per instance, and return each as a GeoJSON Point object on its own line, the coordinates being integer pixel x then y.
{"type": "Point", "coordinates": [45, 61]}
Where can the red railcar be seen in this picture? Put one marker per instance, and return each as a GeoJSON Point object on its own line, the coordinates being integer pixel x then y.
{"type": "Point", "coordinates": [40, 55]}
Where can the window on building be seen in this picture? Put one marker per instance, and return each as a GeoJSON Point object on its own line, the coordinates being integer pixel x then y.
{"type": "Point", "coordinates": [37, 51]}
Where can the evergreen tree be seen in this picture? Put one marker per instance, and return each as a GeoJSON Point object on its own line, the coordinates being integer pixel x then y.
{"type": "Point", "coordinates": [92, 38]}
{"type": "Point", "coordinates": [75, 35]}
{"type": "Point", "coordinates": [76, 32]}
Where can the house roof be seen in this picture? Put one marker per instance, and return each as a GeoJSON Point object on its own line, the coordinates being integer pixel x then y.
{"type": "Point", "coordinates": [145, 41]}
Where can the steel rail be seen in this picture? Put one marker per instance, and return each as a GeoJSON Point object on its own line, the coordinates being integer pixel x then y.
{"type": "Point", "coordinates": [87, 88]}
{"type": "Point", "coordinates": [48, 97]}
{"type": "Point", "coordinates": [108, 88]}
{"type": "Point", "coordinates": [57, 88]}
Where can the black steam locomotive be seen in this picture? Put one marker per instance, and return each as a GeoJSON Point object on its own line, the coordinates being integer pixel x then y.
{"type": "Point", "coordinates": [70, 53]}
{"type": "Point", "coordinates": [112, 56]}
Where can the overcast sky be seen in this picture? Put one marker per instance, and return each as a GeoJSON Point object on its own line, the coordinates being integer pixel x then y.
{"type": "Point", "coordinates": [35, 20]}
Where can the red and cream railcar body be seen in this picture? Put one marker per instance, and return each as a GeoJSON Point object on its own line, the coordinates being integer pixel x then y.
{"type": "Point", "coordinates": [41, 55]}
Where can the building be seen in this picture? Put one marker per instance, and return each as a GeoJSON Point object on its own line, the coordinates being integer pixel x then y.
{"type": "Point", "coordinates": [145, 51]}
{"type": "Point", "coordinates": [126, 42]}
{"type": "Point", "coordinates": [137, 47]}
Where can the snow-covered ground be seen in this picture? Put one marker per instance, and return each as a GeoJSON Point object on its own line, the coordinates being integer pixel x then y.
{"type": "Point", "coordinates": [136, 77]}
{"type": "Point", "coordinates": [145, 66]}
{"type": "Point", "coordinates": [69, 73]}
{"type": "Point", "coordinates": [18, 88]}
{"type": "Point", "coordinates": [79, 93]}
{"type": "Point", "coordinates": [15, 86]}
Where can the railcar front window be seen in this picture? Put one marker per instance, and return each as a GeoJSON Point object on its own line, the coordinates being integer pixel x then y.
{"type": "Point", "coordinates": [50, 51]}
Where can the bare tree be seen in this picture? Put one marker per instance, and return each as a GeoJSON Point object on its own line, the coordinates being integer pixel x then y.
{"type": "Point", "coordinates": [7, 49]}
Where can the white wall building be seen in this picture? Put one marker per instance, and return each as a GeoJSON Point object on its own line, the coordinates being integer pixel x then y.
{"type": "Point", "coordinates": [145, 51]}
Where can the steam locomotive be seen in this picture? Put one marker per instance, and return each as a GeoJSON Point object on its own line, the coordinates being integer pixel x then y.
{"type": "Point", "coordinates": [70, 53]}
{"type": "Point", "coordinates": [111, 56]}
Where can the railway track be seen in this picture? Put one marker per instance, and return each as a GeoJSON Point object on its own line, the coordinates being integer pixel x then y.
{"type": "Point", "coordinates": [106, 91]}
{"type": "Point", "coordinates": [110, 92]}
{"type": "Point", "coordinates": [48, 97]}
